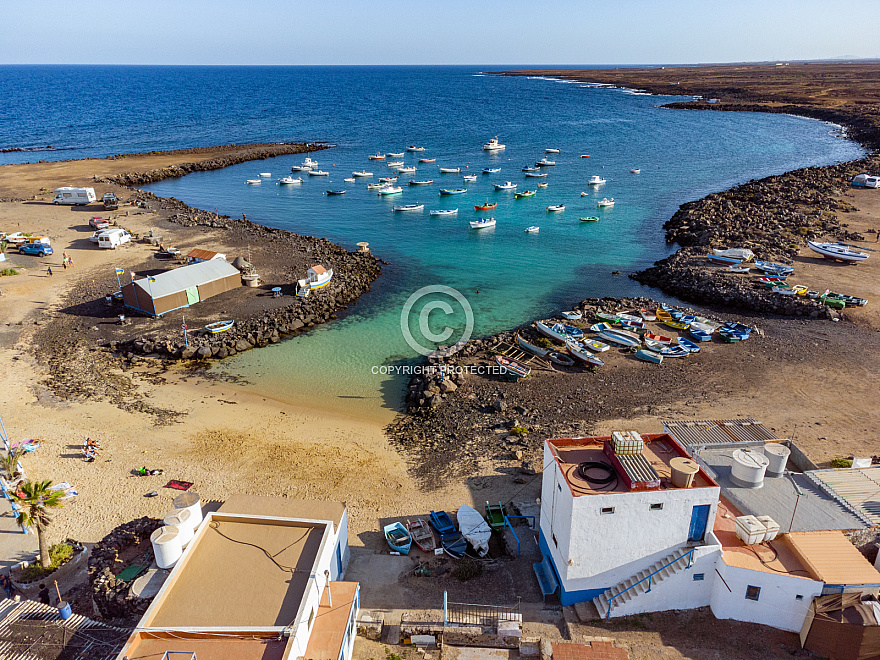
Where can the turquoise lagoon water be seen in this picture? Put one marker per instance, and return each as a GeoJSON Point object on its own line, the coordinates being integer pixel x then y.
{"type": "Point", "coordinates": [451, 111]}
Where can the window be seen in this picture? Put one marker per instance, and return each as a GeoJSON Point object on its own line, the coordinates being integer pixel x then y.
{"type": "Point", "coordinates": [699, 576]}
{"type": "Point", "coordinates": [657, 507]}
{"type": "Point", "coordinates": [607, 509]}
{"type": "Point", "coordinates": [799, 597]}
{"type": "Point", "coordinates": [752, 593]}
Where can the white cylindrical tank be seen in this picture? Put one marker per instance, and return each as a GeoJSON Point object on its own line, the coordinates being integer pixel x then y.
{"type": "Point", "coordinates": [777, 454]}
{"type": "Point", "coordinates": [748, 467]}
{"type": "Point", "coordinates": [180, 518]}
{"type": "Point", "coordinates": [683, 471]}
{"type": "Point", "coordinates": [193, 503]}
{"type": "Point", "coordinates": [166, 546]}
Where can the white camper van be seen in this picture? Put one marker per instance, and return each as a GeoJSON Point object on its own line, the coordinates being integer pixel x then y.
{"type": "Point", "coordinates": [73, 195]}
{"type": "Point", "coordinates": [113, 238]}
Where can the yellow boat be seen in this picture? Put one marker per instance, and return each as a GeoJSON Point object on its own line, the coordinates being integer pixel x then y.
{"type": "Point", "coordinates": [678, 325]}
{"type": "Point", "coordinates": [663, 316]}
{"type": "Point", "coordinates": [799, 289]}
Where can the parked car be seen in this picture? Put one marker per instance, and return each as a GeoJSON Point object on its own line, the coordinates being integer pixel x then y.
{"type": "Point", "coordinates": [99, 223]}
{"type": "Point", "coordinates": [38, 249]}
{"type": "Point", "coordinates": [110, 201]}
{"type": "Point", "coordinates": [96, 237]}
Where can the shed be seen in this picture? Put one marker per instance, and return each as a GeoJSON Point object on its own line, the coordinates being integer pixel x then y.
{"type": "Point", "coordinates": [842, 627]}
{"type": "Point", "coordinates": [197, 255]}
{"type": "Point", "coordinates": [181, 287]}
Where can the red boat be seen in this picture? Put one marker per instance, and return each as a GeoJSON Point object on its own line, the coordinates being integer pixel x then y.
{"type": "Point", "coordinates": [486, 207]}
{"type": "Point", "coordinates": [660, 338]}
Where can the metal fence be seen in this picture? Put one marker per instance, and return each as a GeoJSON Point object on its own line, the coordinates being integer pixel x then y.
{"type": "Point", "coordinates": [472, 614]}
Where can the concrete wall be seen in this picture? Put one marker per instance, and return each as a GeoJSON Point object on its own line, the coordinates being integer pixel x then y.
{"type": "Point", "coordinates": [339, 568]}
{"type": "Point", "coordinates": [777, 604]}
{"type": "Point", "coordinates": [312, 598]}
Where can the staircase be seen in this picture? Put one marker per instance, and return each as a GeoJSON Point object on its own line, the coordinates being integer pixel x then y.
{"type": "Point", "coordinates": [640, 582]}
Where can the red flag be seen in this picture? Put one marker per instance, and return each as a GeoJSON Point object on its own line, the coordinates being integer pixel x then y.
{"type": "Point", "coordinates": [131, 272]}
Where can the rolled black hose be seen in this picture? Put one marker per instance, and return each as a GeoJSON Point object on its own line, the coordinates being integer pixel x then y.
{"type": "Point", "coordinates": [611, 473]}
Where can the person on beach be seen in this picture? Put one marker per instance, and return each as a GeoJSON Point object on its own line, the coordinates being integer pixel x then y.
{"type": "Point", "coordinates": [64, 263]}
{"type": "Point", "coordinates": [49, 270]}
{"type": "Point", "coordinates": [877, 231]}
{"type": "Point", "coordinates": [6, 583]}
{"type": "Point", "coordinates": [43, 596]}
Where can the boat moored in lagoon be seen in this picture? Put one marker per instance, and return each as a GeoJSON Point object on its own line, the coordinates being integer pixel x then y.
{"type": "Point", "coordinates": [254, 182]}
{"type": "Point", "coordinates": [390, 190]}
{"type": "Point", "coordinates": [534, 229]}
{"type": "Point", "coordinates": [376, 156]}
{"type": "Point", "coordinates": [596, 180]}
{"type": "Point", "coordinates": [606, 202]}
{"type": "Point", "coordinates": [392, 154]}
{"type": "Point", "coordinates": [469, 178]}
{"type": "Point", "coordinates": [412, 147]}
{"type": "Point", "coordinates": [491, 170]}
{"type": "Point", "coordinates": [525, 193]}
{"type": "Point", "coordinates": [485, 207]}
{"type": "Point", "coordinates": [362, 173]}
{"type": "Point", "coordinates": [443, 212]}
{"type": "Point", "coordinates": [554, 208]}
{"type": "Point", "coordinates": [408, 207]}
{"type": "Point", "coordinates": [318, 173]}
{"type": "Point", "coordinates": [453, 191]}
{"type": "Point", "coordinates": [536, 175]}
{"type": "Point", "coordinates": [406, 170]}
{"type": "Point", "coordinates": [482, 223]}
{"type": "Point", "coordinates": [545, 162]}
{"type": "Point", "coordinates": [507, 185]}
{"type": "Point", "coordinates": [334, 192]}
{"type": "Point", "coordinates": [427, 160]}
{"type": "Point", "coordinates": [289, 180]}
{"type": "Point", "coordinates": [493, 145]}
{"type": "Point", "coordinates": [450, 170]}
{"type": "Point", "coordinates": [592, 218]}
{"type": "Point", "coordinates": [426, 182]}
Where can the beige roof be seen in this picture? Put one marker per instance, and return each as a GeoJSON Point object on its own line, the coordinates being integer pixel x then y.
{"type": "Point", "coordinates": [830, 557]}
{"type": "Point", "coordinates": [284, 507]}
{"type": "Point", "coordinates": [319, 269]}
{"type": "Point", "coordinates": [328, 633]}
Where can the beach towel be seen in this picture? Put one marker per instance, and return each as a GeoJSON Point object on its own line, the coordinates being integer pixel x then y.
{"type": "Point", "coordinates": [179, 485]}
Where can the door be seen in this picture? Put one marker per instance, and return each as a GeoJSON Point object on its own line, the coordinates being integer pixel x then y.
{"type": "Point", "coordinates": [192, 295]}
{"type": "Point", "coordinates": [699, 518]}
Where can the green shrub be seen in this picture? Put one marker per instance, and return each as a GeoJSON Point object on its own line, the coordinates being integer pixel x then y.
{"type": "Point", "coordinates": [543, 342]}
{"type": "Point", "coordinates": [8, 271]}
{"type": "Point", "coordinates": [519, 430]}
{"type": "Point", "coordinates": [59, 554]}
{"type": "Point", "coordinates": [841, 463]}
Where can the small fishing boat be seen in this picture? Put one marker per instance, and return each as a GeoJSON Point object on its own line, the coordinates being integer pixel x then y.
{"type": "Point", "coordinates": [485, 207]}
{"type": "Point", "coordinates": [607, 316]}
{"type": "Point", "coordinates": [799, 289]}
{"type": "Point", "coordinates": [454, 545]}
{"type": "Point", "coordinates": [425, 182]}
{"type": "Point", "coordinates": [493, 145]}
{"type": "Point", "coordinates": [572, 315]}
{"type": "Point", "coordinates": [600, 327]}
{"type": "Point", "coordinates": [649, 356]}
{"type": "Point", "coordinates": [782, 289]}
{"type": "Point", "coordinates": [743, 254]}
{"type": "Point", "coordinates": [647, 315]}
{"type": "Point", "coordinates": [590, 219]}
{"type": "Point", "coordinates": [443, 212]}
{"type": "Point", "coordinates": [620, 337]}
{"type": "Point", "coordinates": [688, 345]}
{"type": "Point", "coordinates": [318, 173]}
{"type": "Point", "coordinates": [773, 268]}
{"type": "Point", "coordinates": [556, 207]}
{"type": "Point", "coordinates": [543, 185]}
{"type": "Point", "coordinates": [491, 170]}
{"type": "Point", "coordinates": [495, 516]}
{"type": "Point", "coordinates": [524, 193]}
{"type": "Point", "coordinates": [837, 251]}
{"type": "Point", "coordinates": [596, 346]}
{"type": "Point", "coordinates": [265, 174]}
{"type": "Point", "coordinates": [771, 279]}
{"type": "Point", "coordinates": [849, 301]}
{"type": "Point", "coordinates": [585, 155]}
{"type": "Point", "coordinates": [635, 170]}
{"type": "Point", "coordinates": [392, 154]}
{"type": "Point", "coordinates": [362, 173]}
{"type": "Point", "coordinates": [219, 326]}
{"type": "Point", "coordinates": [628, 317]}
{"type": "Point", "coordinates": [351, 179]}
{"type": "Point", "coordinates": [545, 162]}
{"type": "Point", "coordinates": [414, 148]}
{"type": "Point", "coordinates": [377, 186]}
{"type": "Point", "coordinates": [453, 191]}
{"type": "Point", "coordinates": [663, 315]}
{"type": "Point", "coordinates": [398, 538]}
{"type": "Point", "coordinates": [299, 168]}
{"type": "Point", "coordinates": [570, 331]}
{"type": "Point", "coordinates": [482, 223]}
{"type": "Point", "coordinates": [441, 521]}
{"type": "Point", "coordinates": [427, 160]}
{"type": "Point", "coordinates": [376, 157]}
{"type": "Point", "coordinates": [606, 203]}
{"type": "Point", "coordinates": [507, 185]}
{"type": "Point", "coordinates": [632, 325]}
{"type": "Point", "coordinates": [513, 368]}
{"type": "Point", "coordinates": [674, 352]}
{"type": "Point", "coordinates": [551, 151]}
{"type": "Point", "coordinates": [724, 261]}
{"type": "Point", "coordinates": [536, 175]}
{"type": "Point", "coordinates": [530, 169]}
{"type": "Point", "coordinates": [596, 180]}
{"type": "Point", "coordinates": [732, 326]}
{"type": "Point", "coordinates": [739, 268]}
{"type": "Point", "coordinates": [406, 170]}
{"type": "Point", "coordinates": [653, 345]}
{"type": "Point", "coordinates": [409, 207]}
{"type": "Point", "coordinates": [289, 180]}
{"type": "Point", "coordinates": [450, 170]}
{"type": "Point", "coordinates": [474, 528]}
{"type": "Point", "coordinates": [335, 192]}
{"type": "Point", "coordinates": [469, 178]}
{"type": "Point", "coordinates": [422, 535]}
{"type": "Point", "coordinates": [583, 355]}
{"type": "Point", "coordinates": [390, 190]}
{"type": "Point", "coordinates": [698, 333]}
{"type": "Point", "coordinates": [387, 179]}
{"type": "Point", "coordinates": [551, 332]}
{"type": "Point", "coordinates": [560, 358]}
{"type": "Point", "coordinates": [534, 229]}
{"type": "Point", "coordinates": [308, 162]}
{"type": "Point", "coordinates": [254, 182]}
{"type": "Point", "coordinates": [659, 338]}
{"type": "Point", "coordinates": [677, 324]}
{"type": "Point", "coordinates": [531, 348]}
{"type": "Point", "coordinates": [395, 163]}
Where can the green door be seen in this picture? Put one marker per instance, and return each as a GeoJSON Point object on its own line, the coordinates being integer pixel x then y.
{"type": "Point", "coordinates": [192, 295]}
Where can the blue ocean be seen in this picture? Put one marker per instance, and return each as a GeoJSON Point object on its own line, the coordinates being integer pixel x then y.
{"type": "Point", "coordinates": [505, 275]}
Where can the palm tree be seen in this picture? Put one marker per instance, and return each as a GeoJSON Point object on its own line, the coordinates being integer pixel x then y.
{"type": "Point", "coordinates": [37, 500]}
{"type": "Point", "coordinates": [9, 462]}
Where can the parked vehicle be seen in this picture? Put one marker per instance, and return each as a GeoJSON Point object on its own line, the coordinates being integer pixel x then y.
{"type": "Point", "coordinates": [38, 249]}
{"type": "Point", "coordinates": [113, 238]}
{"type": "Point", "coordinates": [111, 203]}
{"type": "Point", "coordinates": [99, 223]}
{"type": "Point", "coordinates": [74, 195]}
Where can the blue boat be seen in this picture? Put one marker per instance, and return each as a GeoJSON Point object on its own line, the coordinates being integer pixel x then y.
{"type": "Point", "coordinates": [441, 521]}
{"type": "Point", "coordinates": [674, 352]}
{"type": "Point", "coordinates": [570, 330]}
{"type": "Point", "coordinates": [649, 356]}
{"type": "Point", "coordinates": [491, 170]}
{"type": "Point", "coordinates": [398, 537]}
{"type": "Point", "coordinates": [700, 335]}
{"type": "Point", "coordinates": [688, 345]}
{"type": "Point", "coordinates": [737, 327]}
{"type": "Point", "coordinates": [770, 267]}
{"type": "Point", "coordinates": [454, 544]}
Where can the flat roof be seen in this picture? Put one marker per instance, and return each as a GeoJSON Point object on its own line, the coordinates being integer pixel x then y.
{"type": "Point", "coordinates": [227, 579]}
{"type": "Point", "coordinates": [831, 558]}
{"type": "Point", "coordinates": [218, 646]}
{"type": "Point", "coordinates": [284, 507]}
{"type": "Point", "coordinates": [659, 449]}
{"type": "Point", "coordinates": [811, 510]}
{"type": "Point", "coordinates": [328, 632]}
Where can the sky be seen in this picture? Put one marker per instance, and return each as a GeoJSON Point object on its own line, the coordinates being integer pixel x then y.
{"type": "Point", "coordinates": [487, 32]}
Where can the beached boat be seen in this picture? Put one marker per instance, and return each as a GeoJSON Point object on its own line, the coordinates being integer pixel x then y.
{"type": "Point", "coordinates": [688, 345]}
{"type": "Point", "coordinates": [450, 170]}
{"type": "Point", "coordinates": [606, 203]}
{"type": "Point", "coordinates": [469, 178]}
{"type": "Point", "coordinates": [596, 180]}
{"type": "Point", "coordinates": [590, 219]}
{"type": "Point", "coordinates": [362, 173]}
{"type": "Point", "coordinates": [254, 182]}
{"type": "Point", "coordinates": [390, 190]}
{"type": "Point", "coordinates": [531, 348]}
{"type": "Point", "coordinates": [524, 193]}
{"type": "Point", "coordinates": [837, 251]}
{"type": "Point", "coordinates": [442, 522]}
{"type": "Point", "coordinates": [536, 175]}
{"type": "Point", "coordinates": [849, 301]}
{"type": "Point", "coordinates": [424, 182]}
{"type": "Point", "coordinates": [649, 356]}
{"type": "Point", "coordinates": [674, 352]}
{"type": "Point", "coordinates": [409, 207]}
{"type": "Point", "coordinates": [545, 162]}
{"type": "Point", "coordinates": [507, 185]}
{"type": "Point", "coordinates": [607, 316]}
{"type": "Point", "coordinates": [534, 229]}
{"type": "Point", "coordinates": [660, 338]}
{"type": "Point", "coordinates": [485, 207]}
{"type": "Point", "coordinates": [474, 528]}
{"type": "Point", "coordinates": [398, 538]}
{"type": "Point", "coordinates": [376, 157]}
{"type": "Point", "coordinates": [579, 352]}
{"type": "Point", "coordinates": [482, 223]}
{"type": "Point", "coordinates": [653, 345]}
{"type": "Point", "coordinates": [599, 327]}
{"type": "Point", "coordinates": [620, 337]}
{"type": "Point", "coordinates": [334, 192]}
{"type": "Point", "coordinates": [454, 545]}
{"type": "Point", "coordinates": [595, 345]}
{"type": "Point", "coordinates": [647, 315]}
{"type": "Point", "coordinates": [491, 170]}
{"type": "Point", "coordinates": [739, 268]}
{"type": "Point", "coordinates": [635, 170]}
{"type": "Point", "coordinates": [724, 261]}
{"type": "Point", "coordinates": [406, 170]}
{"type": "Point", "coordinates": [412, 147]}
{"type": "Point", "coordinates": [289, 180]}
{"type": "Point", "coordinates": [799, 289]}
{"type": "Point", "coordinates": [570, 331]}
{"type": "Point", "coordinates": [493, 145]}
{"type": "Point", "coordinates": [553, 208]}
{"type": "Point", "coordinates": [527, 168]}
{"type": "Point", "coordinates": [495, 515]}
{"type": "Point", "coordinates": [770, 280]}
{"type": "Point", "coordinates": [699, 334]}
{"type": "Point", "coordinates": [513, 368]}
{"type": "Point", "coordinates": [632, 325]}
{"type": "Point", "coordinates": [773, 268]}
{"type": "Point", "coordinates": [422, 535]}
{"type": "Point", "coordinates": [316, 277]}
{"type": "Point", "coordinates": [318, 173]}
{"type": "Point", "coordinates": [551, 332]}
{"type": "Point", "coordinates": [219, 326]}
{"type": "Point", "coordinates": [572, 315]}
{"type": "Point", "coordinates": [453, 191]}
{"type": "Point", "coordinates": [443, 212]}
{"type": "Point", "coordinates": [392, 154]}
{"type": "Point", "coordinates": [427, 160]}
{"type": "Point", "coordinates": [561, 359]}
{"type": "Point", "coordinates": [678, 324]}
{"type": "Point", "coordinates": [743, 254]}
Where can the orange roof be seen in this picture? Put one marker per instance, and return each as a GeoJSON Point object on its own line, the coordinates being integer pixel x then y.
{"type": "Point", "coordinates": [830, 557]}
{"type": "Point", "coordinates": [328, 633]}
{"type": "Point", "coordinates": [319, 269]}
{"type": "Point", "coordinates": [198, 253]}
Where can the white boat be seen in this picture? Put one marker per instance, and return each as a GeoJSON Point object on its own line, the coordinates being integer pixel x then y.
{"type": "Point", "coordinates": [300, 168]}
{"type": "Point", "coordinates": [410, 207]}
{"type": "Point", "coordinates": [376, 186]}
{"type": "Point", "coordinates": [406, 170]}
{"type": "Point", "coordinates": [265, 174]}
{"type": "Point", "coordinates": [318, 173]}
{"type": "Point", "coordinates": [543, 184]}
{"type": "Point", "coordinates": [289, 180]}
{"type": "Point", "coordinates": [837, 251]}
{"type": "Point", "coordinates": [450, 170]}
{"type": "Point", "coordinates": [316, 277]}
{"type": "Point", "coordinates": [414, 148]}
{"type": "Point", "coordinates": [556, 207]}
{"type": "Point", "coordinates": [551, 151]}
{"type": "Point", "coordinates": [474, 528]}
{"type": "Point", "coordinates": [308, 162]}
{"type": "Point", "coordinates": [392, 154]}
{"type": "Point", "coordinates": [376, 156]}
{"type": "Point", "coordinates": [533, 229]}
{"type": "Point", "coordinates": [390, 190]}
{"type": "Point", "coordinates": [605, 202]}
{"type": "Point", "coordinates": [545, 162]}
{"type": "Point", "coordinates": [362, 173]}
{"type": "Point", "coordinates": [482, 223]}
{"type": "Point", "coordinates": [443, 212]}
{"type": "Point", "coordinates": [739, 268]}
{"type": "Point", "coordinates": [219, 326]}
{"type": "Point", "coordinates": [531, 169]}
{"type": "Point", "coordinates": [349, 179]}
{"type": "Point", "coordinates": [551, 333]}
{"type": "Point", "coordinates": [507, 185]}
{"type": "Point", "coordinates": [577, 350]}
{"type": "Point", "coordinates": [387, 179]}
{"type": "Point", "coordinates": [736, 253]}
{"type": "Point", "coordinates": [470, 177]}
{"type": "Point", "coordinates": [536, 175]}
{"type": "Point", "coordinates": [596, 180]}
{"type": "Point", "coordinates": [254, 182]}
{"type": "Point", "coordinates": [493, 145]}
{"type": "Point", "coordinates": [394, 163]}
{"type": "Point", "coordinates": [595, 345]}
{"type": "Point", "coordinates": [571, 315]}
{"type": "Point", "coordinates": [426, 182]}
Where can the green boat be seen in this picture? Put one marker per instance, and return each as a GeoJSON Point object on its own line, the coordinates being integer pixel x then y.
{"type": "Point", "coordinates": [611, 318]}
{"type": "Point", "coordinates": [590, 219]}
{"type": "Point", "coordinates": [495, 516]}
{"type": "Point", "coordinates": [526, 193]}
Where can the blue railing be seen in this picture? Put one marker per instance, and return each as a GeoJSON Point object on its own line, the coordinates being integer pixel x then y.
{"type": "Point", "coordinates": [507, 523]}
{"type": "Point", "coordinates": [689, 554]}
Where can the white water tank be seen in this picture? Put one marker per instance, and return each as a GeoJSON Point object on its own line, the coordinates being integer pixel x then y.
{"type": "Point", "coordinates": [748, 468]}
{"type": "Point", "coordinates": [166, 546]}
{"type": "Point", "coordinates": [777, 454]}
{"type": "Point", "coordinates": [193, 504]}
{"type": "Point", "coordinates": [683, 471]}
{"type": "Point", "coordinates": [770, 525]}
{"type": "Point", "coordinates": [180, 518]}
{"type": "Point", "coordinates": [750, 530]}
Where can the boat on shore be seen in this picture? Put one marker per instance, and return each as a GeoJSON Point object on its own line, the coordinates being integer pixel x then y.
{"type": "Point", "coordinates": [743, 254]}
{"type": "Point", "coordinates": [724, 261]}
{"type": "Point", "coordinates": [561, 359]}
{"type": "Point", "coordinates": [837, 251]}
{"type": "Point", "coordinates": [493, 145]}
{"type": "Point", "coordinates": [442, 523]}
{"type": "Point", "coordinates": [658, 338]}
{"type": "Point", "coordinates": [688, 345]}
{"type": "Point", "coordinates": [507, 185]}
{"type": "Point", "coordinates": [551, 332]}
{"type": "Point", "coordinates": [674, 352]}
{"type": "Point", "coordinates": [621, 337]}
{"type": "Point", "coordinates": [739, 268]}
{"type": "Point", "coordinates": [647, 315]}
{"type": "Point", "coordinates": [443, 212]}
{"type": "Point", "coordinates": [398, 538]}
{"type": "Point", "coordinates": [579, 352]}
{"type": "Point", "coordinates": [219, 326]}
{"type": "Point", "coordinates": [485, 207]}
{"type": "Point", "coordinates": [531, 348]}
{"type": "Point", "coordinates": [649, 356]}
{"type": "Point", "coordinates": [422, 535]}
{"type": "Point", "coordinates": [595, 345]}
{"type": "Point", "coordinates": [534, 229]}
{"type": "Point", "coordinates": [773, 268]}
{"type": "Point", "coordinates": [571, 315]}
{"type": "Point", "coordinates": [606, 203]}
{"type": "Point", "coordinates": [513, 368]}
{"type": "Point", "coordinates": [409, 207]}
{"type": "Point", "coordinates": [482, 223]}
